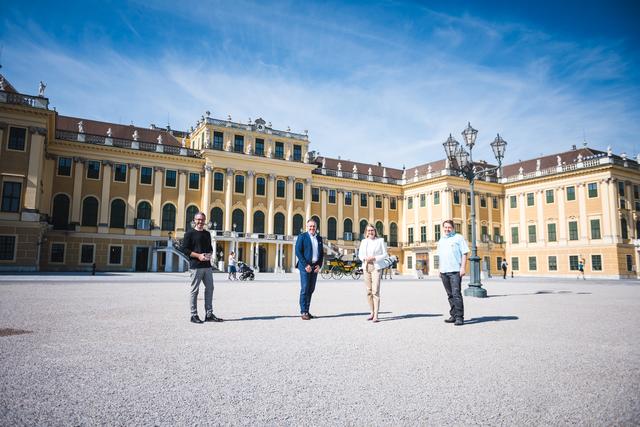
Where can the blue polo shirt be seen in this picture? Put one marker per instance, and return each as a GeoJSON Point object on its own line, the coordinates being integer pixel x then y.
{"type": "Point", "coordinates": [450, 251]}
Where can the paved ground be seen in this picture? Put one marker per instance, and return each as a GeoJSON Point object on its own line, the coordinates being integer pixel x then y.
{"type": "Point", "coordinates": [118, 349]}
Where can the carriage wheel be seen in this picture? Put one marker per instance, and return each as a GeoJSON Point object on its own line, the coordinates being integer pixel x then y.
{"type": "Point", "coordinates": [336, 272]}
{"type": "Point", "coordinates": [356, 273]}
{"type": "Point", "coordinates": [325, 273]}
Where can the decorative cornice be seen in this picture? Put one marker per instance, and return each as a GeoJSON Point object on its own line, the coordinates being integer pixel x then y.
{"type": "Point", "coordinates": [251, 173]}
{"type": "Point", "coordinates": [230, 171]}
{"type": "Point", "coordinates": [107, 163]}
{"type": "Point", "coordinates": [158, 169]}
{"type": "Point", "coordinates": [38, 130]}
{"type": "Point", "coordinates": [208, 168]}
{"type": "Point", "coordinates": [133, 165]}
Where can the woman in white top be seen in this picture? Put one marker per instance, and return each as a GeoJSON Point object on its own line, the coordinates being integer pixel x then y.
{"type": "Point", "coordinates": [372, 250]}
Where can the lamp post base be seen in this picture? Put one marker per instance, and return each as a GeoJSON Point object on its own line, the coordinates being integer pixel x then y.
{"type": "Point", "coordinates": [475, 291]}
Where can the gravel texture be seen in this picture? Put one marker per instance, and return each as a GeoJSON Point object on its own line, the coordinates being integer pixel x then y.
{"type": "Point", "coordinates": [119, 350]}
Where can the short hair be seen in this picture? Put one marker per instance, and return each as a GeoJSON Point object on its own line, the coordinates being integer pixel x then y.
{"type": "Point", "coordinates": [448, 221]}
{"type": "Point", "coordinates": [200, 213]}
{"type": "Point", "coordinates": [312, 220]}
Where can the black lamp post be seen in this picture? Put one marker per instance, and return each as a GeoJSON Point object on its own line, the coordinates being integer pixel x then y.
{"type": "Point", "coordinates": [461, 162]}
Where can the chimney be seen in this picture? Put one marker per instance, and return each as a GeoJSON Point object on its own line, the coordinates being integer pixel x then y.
{"type": "Point", "coordinates": [573, 147]}
{"type": "Point", "coordinates": [379, 164]}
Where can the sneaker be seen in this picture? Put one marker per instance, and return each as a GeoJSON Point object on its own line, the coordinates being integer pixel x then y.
{"type": "Point", "coordinates": [450, 320]}
{"type": "Point", "coordinates": [210, 317]}
{"type": "Point", "coordinates": [196, 319]}
{"type": "Point", "coordinates": [305, 316]}
{"type": "Point", "coordinates": [459, 321]}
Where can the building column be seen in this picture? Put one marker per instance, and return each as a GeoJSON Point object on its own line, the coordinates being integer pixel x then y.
{"type": "Point", "coordinates": [181, 226]}
{"type": "Point", "coordinates": [562, 220]}
{"type": "Point", "coordinates": [271, 195]}
{"type": "Point", "coordinates": [323, 211]}
{"type": "Point", "coordinates": [490, 208]}
{"type": "Point", "coordinates": [206, 194]}
{"type": "Point", "coordinates": [228, 198]}
{"type": "Point", "coordinates": [614, 207]}
{"type": "Point", "coordinates": [132, 198]}
{"type": "Point", "coordinates": [430, 230]}
{"type": "Point", "coordinates": [340, 219]}
{"type": "Point", "coordinates": [32, 193]}
{"type": "Point", "coordinates": [524, 230]}
{"type": "Point", "coordinates": [356, 216]}
{"type": "Point", "coordinates": [505, 215]}
{"type": "Point", "coordinates": [405, 218]}
{"type": "Point", "coordinates": [103, 221]}
{"type": "Point", "coordinates": [307, 200]}
{"type": "Point", "coordinates": [372, 205]}
{"type": "Point", "coordinates": [606, 212]}
{"type": "Point", "coordinates": [156, 208]}
{"type": "Point", "coordinates": [540, 216]}
{"type": "Point", "coordinates": [251, 177]}
{"type": "Point", "coordinates": [416, 218]}
{"type": "Point", "coordinates": [582, 200]}
{"type": "Point", "coordinates": [385, 208]}
{"type": "Point", "coordinates": [78, 175]}
{"type": "Point", "coordinates": [446, 203]}
{"type": "Point", "coordinates": [289, 199]}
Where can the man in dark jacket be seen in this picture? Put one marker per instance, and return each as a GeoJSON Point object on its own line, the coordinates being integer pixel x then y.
{"type": "Point", "coordinates": [310, 255]}
{"type": "Point", "coordinates": [197, 246]}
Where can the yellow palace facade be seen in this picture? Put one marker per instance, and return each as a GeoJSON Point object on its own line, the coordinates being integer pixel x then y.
{"type": "Point", "coordinates": [78, 193]}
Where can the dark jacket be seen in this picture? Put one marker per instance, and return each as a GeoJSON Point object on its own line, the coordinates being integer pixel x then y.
{"type": "Point", "coordinates": [304, 251]}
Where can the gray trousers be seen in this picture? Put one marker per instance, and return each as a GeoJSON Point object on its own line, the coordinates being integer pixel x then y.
{"type": "Point", "coordinates": [201, 275]}
{"type": "Point", "coordinates": [451, 282]}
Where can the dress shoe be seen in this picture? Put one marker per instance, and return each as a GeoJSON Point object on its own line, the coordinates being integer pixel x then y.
{"type": "Point", "coordinates": [370, 317]}
{"type": "Point", "coordinates": [196, 319]}
{"type": "Point", "coordinates": [305, 316]}
{"type": "Point", "coordinates": [459, 321]}
{"type": "Point", "coordinates": [450, 320]}
{"type": "Point", "coordinates": [311, 316]}
{"type": "Point", "coordinates": [210, 317]}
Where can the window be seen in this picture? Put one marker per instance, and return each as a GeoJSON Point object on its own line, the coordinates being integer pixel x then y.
{"type": "Point", "coordinates": [7, 248]}
{"type": "Point", "coordinates": [484, 233]}
{"type": "Point", "coordinates": [423, 233]}
{"type": "Point", "coordinates": [194, 181]}
{"type": "Point", "coordinates": [629, 263]}
{"type": "Point", "coordinates": [60, 214]}
{"type": "Point", "coordinates": [170, 178]}
{"type": "Point", "coordinates": [436, 197]}
{"type": "Point", "coordinates": [573, 262]}
{"type": "Point", "coordinates": [596, 262]}
{"type": "Point", "coordinates": [144, 210]}
{"type": "Point", "coordinates": [468, 196]}
{"type": "Point", "coordinates": [483, 202]}
{"type": "Point", "coordinates": [571, 193]}
{"type": "Point", "coordinates": [90, 212]}
{"type": "Point", "coordinates": [145, 175]}
{"type": "Point", "coordinates": [64, 166]}
{"type": "Point", "coordinates": [300, 192]}
{"type": "Point", "coordinates": [11, 193]}
{"type": "Point", "coordinates": [553, 263]}
{"type": "Point", "coordinates": [456, 197]}
{"type": "Point", "coordinates": [392, 203]}
{"type": "Point", "coordinates": [621, 188]}
{"type": "Point", "coordinates": [514, 235]}
{"type": "Point", "coordinates": [216, 218]}
{"type": "Point", "coordinates": [190, 215]}
{"type": "Point", "coordinates": [378, 202]}
{"type": "Point", "coordinates": [239, 184]}
{"type": "Point", "coordinates": [218, 140]}
{"type": "Point", "coordinates": [17, 138]}
{"type": "Point", "coordinates": [260, 186]}
{"type": "Point", "coordinates": [238, 144]}
{"type": "Point", "coordinates": [593, 189]}
{"type": "Point", "coordinates": [436, 262]}
{"type": "Point", "coordinates": [115, 254]}
{"type": "Point", "coordinates": [57, 253]}
{"type": "Point", "coordinates": [347, 227]}
{"type": "Point", "coordinates": [379, 229]}
{"type": "Point", "coordinates": [499, 263]}
{"type": "Point", "coordinates": [532, 234]}
{"type": "Point", "coordinates": [623, 228]}
{"type": "Point", "coordinates": [551, 233]}
{"type": "Point", "coordinates": [237, 220]}
{"type": "Point", "coordinates": [363, 199]}
{"type": "Point", "coordinates": [533, 263]}
{"type": "Point", "coordinates": [298, 225]}
{"type": "Point", "coordinates": [515, 263]}
{"type": "Point", "coordinates": [120, 172]}
{"type": "Point", "coordinates": [348, 198]}
{"type": "Point", "coordinates": [595, 228]}
{"type": "Point", "coordinates": [393, 235]}
{"type": "Point", "coordinates": [86, 254]}
{"type": "Point", "coordinates": [409, 262]}
{"type": "Point", "coordinates": [280, 189]}
{"type": "Point", "coordinates": [93, 169]}
{"type": "Point", "coordinates": [410, 234]}
{"type": "Point", "coordinates": [409, 203]}
{"type": "Point", "coordinates": [259, 147]}
{"type": "Point", "coordinates": [297, 153]}
{"type": "Point", "coordinates": [363, 226]}
{"type": "Point", "coordinates": [494, 202]}
{"type": "Point", "coordinates": [315, 194]}
{"type": "Point", "coordinates": [513, 202]}
{"type": "Point", "coordinates": [436, 232]}
{"type": "Point", "coordinates": [169, 217]}
{"type": "Point", "coordinates": [218, 181]}
{"type": "Point", "coordinates": [636, 191]}
{"type": "Point", "coordinates": [530, 199]}
{"type": "Point", "coordinates": [331, 226]}
{"type": "Point", "coordinates": [279, 154]}
{"type": "Point", "coordinates": [332, 196]}
{"type": "Point", "coordinates": [550, 196]}
{"type": "Point", "coordinates": [258, 222]}
{"type": "Point", "coordinates": [116, 217]}
{"type": "Point", "coordinates": [573, 230]}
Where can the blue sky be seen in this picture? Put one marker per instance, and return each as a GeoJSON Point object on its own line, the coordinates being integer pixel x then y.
{"type": "Point", "coordinates": [372, 81]}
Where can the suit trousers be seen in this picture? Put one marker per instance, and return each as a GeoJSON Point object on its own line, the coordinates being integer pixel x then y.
{"type": "Point", "coordinates": [372, 282]}
{"type": "Point", "coordinates": [205, 276]}
{"type": "Point", "coordinates": [307, 286]}
{"type": "Point", "coordinates": [452, 285]}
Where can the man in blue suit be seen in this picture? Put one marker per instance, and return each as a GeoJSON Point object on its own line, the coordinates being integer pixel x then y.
{"type": "Point", "coordinates": [310, 255]}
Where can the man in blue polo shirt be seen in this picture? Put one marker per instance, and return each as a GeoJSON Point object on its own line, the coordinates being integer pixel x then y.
{"type": "Point", "coordinates": [452, 253]}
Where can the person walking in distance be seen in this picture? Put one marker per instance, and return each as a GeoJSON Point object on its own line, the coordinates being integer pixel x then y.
{"type": "Point", "coordinates": [581, 269]}
{"type": "Point", "coordinates": [232, 266]}
{"type": "Point", "coordinates": [452, 253]}
{"type": "Point", "coordinates": [197, 246]}
{"type": "Point", "coordinates": [372, 250]}
{"type": "Point", "coordinates": [503, 266]}
{"type": "Point", "coordinates": [310, 255]}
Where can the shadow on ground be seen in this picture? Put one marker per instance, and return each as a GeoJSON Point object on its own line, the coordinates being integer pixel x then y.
{"type": "Point", "coordinates": [541, 293]}
{"type": "Point", "coordinates": [408, 316]}
{"type": "Point", "coordinates": [485, 319]}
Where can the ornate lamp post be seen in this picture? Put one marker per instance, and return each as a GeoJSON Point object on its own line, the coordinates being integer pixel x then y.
{"type": "Point", "coordinates": [461, 162]}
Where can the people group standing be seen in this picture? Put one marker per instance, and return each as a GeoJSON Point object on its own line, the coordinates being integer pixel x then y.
{"type": "Point", "coordinates": [452, 253]}
{"type": "Point", "coordinates": [372, 250]}
{"type": "Point", "coordinates": [310, 254]}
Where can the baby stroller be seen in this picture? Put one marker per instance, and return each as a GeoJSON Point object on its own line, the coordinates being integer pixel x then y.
{"type": "Point", "coordinates": [246, 273]}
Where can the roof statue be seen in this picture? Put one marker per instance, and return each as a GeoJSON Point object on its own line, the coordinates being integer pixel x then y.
{"type": "Point", "coordinates": [384, 172]}
{"type": "Point", "coordinates": [229, 117]}
{"type": "Point", "coordinates": [521, 170]}
{"type": "Point", "coordinates": [228, 147]}
{"type": "Point", "coordinates": [429, 169]}
{"type": "Point", "coordinates": [415, 172]}
{"type": "Point", "coordinates": [41, 88]}
{"type": "Point", "coordinates": [184, 142]}
{"type": "Point", "coordinates": [269, 153]}
{"type": "Point", "coordinates": [580, 158]}
{"type": "Point", "coordinates": [638, 158]}
{"type": "Point", "coordinates": [609, 152]}
{"type": "Point", "coordinates": [159, 139]}
{"type": "Point", "coordinates": [559, 160]}
{"type": "Point", "coordinates": [80, 127]}
{"type": "Point", "coordinates": [306, 157]}
{"type": "Point", "coordinates": [370, 171]}
{"type": "Point", "coordinates": [339, 166]}
{"type": "Point", "coordinates": [538, 164]}
{"type": "Point", "coordinates": [355, 169]}
{"type": "Point", "coordinates": [324, 163]}
{"type": "Point", "coordinates": [135, 135]}
{"type": "Point", "coordinates": [1, 82]}
{"type": "Point", "coordinates": [109, 133]}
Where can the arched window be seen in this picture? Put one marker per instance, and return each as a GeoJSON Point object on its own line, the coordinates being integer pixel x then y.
{"type": "Point", "coordinates": [298, 224]}
{"type": "Point", "coordinates": [258, 222]}
{"type": "Point", "coordinates": [638, 230]}
{"type": "Point", "coordinates": [380, 229]}
{"type": "Point", "coordinates": [393, 234]}
{"type": "Point", "coordinates": [363, 227]}
{"type": "Point", "coordinates": [348, 229]}
{"type": "Point", "coordinates": [60, 213]}
{"type": "Point", "coordinates": [237, 218]}
{"type": "Point", "coordinates": [623, 228]}
{"type": "Point", "coordinates": [144, 210]}
{"type": "Point", "coordinates": [169, 217]}
{"type": "Point", "coordinates": [278, 223]}
{"type": "Point", "coordinates": [331, 229]}
{"type": "Point", "coordinates": [317, 220]}
{"type": "Point", "coordinates": [239, 187]}
{"type": "Point", "coordinates": [191, 212]}
{"type": "Point", "coordinates": [116, 217]}
{"type": "Point", "coordinates": [216, 219]}
{"type": "Point", "coordinates": [90, 212]}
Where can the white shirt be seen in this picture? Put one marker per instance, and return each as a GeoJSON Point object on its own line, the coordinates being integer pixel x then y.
{"type": "Point", "coordinates": [314, 246]}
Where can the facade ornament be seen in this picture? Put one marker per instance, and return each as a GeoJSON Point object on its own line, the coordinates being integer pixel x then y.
{"type": "Point", "coordinates": [370, 172]}
{"type": "Point", "coordinates": [41, 89]}
{"type": "Point", "coordinates": [80, 127]}
{"type": "Point", "coordinates": [339, 166]}
{"type": "Point", "coordinates": [135, 135]}
{"type": "Point", "coordinates": [429, 168]}
{"type": "Point", "coordinates": [251, 174]}
{"type": "Point", "coordinates": [306, 157]}
{"type": "Point", "coordinates": [415, 173]}
{"type": "Point", "coordinates": [324, 163]}
{"type": "Point", "coordinates": [580, 158]}
{"type": "Point", "coordinates": [288, 156]}
{"type": "Point", "coordinates": [109, 133]}
{"type": "Point", "coordinates": [249, 149]}
{"type": "Point", "coordinates": [230, 171]}
{"type": "Point", "coordinates": [269, 153]}
{"type": "Point", "coordinates": [538, 164]}
{"type": "Point", "coordinates": [159, 139]}
{"type": "Point", "coordinates": [208, 168]}
{"type": "Point", "coordinates": [183, 142]}
{"type": "Point", "coordinates": [272, 176]}
{"type": "Point", "coordinates": [355, 169]}
{"type": "Point", "coordinates": [290, 179]}
{"type": "Point", "coordinates": [521, 171]}
{"type": "Point", "coordinates": [207, 136]}
{"type": "Point", "coordinates": [609, 152]}
{"type": "Point", "coordinates": [559, 160]}
{"type": "Point", "coordinates": [228, 147]}
{"type": "Point", "coordinates": [307, 181]}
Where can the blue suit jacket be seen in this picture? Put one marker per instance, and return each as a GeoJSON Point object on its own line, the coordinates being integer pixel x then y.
{"type": "Point", "coordinates": [304, 251]}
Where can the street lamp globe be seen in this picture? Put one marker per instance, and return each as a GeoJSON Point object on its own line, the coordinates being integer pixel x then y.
{"type": "Point", "coordinates": [499, 146]}
{"type": "Point", "coordinates": [451, 147]}
{"type": "Point", "coordinates": [469, 135]}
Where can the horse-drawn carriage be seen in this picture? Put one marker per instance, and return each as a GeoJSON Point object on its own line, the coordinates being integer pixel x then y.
{"type": "Point", "coordinates": [337, 267]}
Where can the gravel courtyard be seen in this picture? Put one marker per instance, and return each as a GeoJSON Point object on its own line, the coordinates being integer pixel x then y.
{"type": "Point", "coordinates": [119, 350]}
